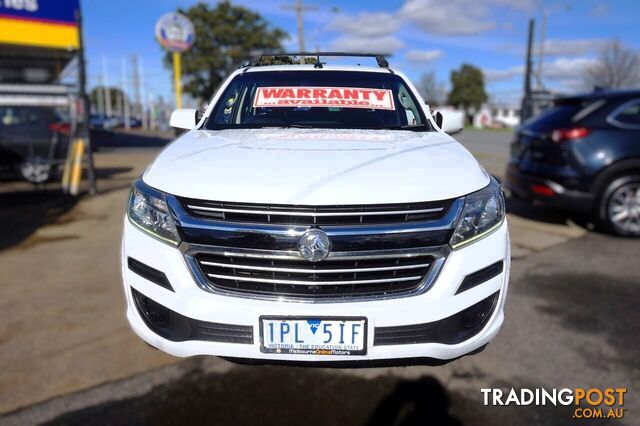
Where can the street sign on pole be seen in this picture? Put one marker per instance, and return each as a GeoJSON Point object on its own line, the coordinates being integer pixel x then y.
{"type": "Point", "coordinates": [175, 33]}
{"type": "Point", "coordinates": [177, 80]}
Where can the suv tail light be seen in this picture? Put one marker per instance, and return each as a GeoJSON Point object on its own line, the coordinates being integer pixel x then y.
{"type": "Point", "coordinates": [62, 128]}
{"type": "Point", "coordinates": [562, 135]}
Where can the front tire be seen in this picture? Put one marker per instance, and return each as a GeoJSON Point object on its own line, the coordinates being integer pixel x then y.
{"type": "Point", "coordinates": [620, 206]}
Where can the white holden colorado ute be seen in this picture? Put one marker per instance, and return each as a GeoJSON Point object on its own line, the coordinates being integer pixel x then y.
{"type": "Point", "coordinates": [316, 213]}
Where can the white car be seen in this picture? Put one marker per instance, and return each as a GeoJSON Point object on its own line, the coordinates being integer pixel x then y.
{"type": "Point", "coordinates": [316, 214]}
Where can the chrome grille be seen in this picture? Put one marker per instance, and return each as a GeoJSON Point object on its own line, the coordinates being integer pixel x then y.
{"type": "Point", "coordinates": [378, 251]}
{"type": "Point", "coordinates": [315, 215]}
{"type": "Point", "coordinates": [331, 278]}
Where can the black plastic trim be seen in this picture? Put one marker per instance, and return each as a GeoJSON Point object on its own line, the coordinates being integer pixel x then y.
{"type": "Point", "coordinates": [449, 330]}
{"type": "Point", "coordinates": [480, 276]}
{"type": "Point", "coordinates": [149, 273]}
{"type": "Point", "coordinates": [179, 328]}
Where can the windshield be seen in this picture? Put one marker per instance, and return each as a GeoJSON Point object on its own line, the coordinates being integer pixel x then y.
{"type": "Point", "coordinates": [317, 99]}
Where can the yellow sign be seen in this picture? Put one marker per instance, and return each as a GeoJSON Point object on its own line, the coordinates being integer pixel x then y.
{"type": "Point", "coordinates": [36, 33]}
{"type": "Point", "coordinates": [42, 23]}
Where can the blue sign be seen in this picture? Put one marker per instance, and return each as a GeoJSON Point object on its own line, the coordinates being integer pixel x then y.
{"type": "Point", "coordinates": [54, 11]}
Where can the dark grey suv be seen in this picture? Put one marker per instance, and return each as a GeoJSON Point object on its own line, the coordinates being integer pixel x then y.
{"type": "Point", "coordinates": [583, 154]}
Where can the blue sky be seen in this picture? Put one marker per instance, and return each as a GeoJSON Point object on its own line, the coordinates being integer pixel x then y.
{"type": "Point", "coordinates": [422, 35]}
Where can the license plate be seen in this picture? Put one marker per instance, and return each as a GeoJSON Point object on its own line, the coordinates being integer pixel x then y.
{"type": "Point", "coordinates": [313, 335]}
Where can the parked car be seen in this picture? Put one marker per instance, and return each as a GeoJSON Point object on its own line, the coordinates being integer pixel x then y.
{"type": "Point", "coordinates": [316, 213]}
{"type": "Point", "coordinates": [103, 122]}
{"type": "Point", "coordinates": [133, 122]}
{"type": "Point", "coordinates": [33, 142]}
{"type": "Point", "coordinates": [583, 155]}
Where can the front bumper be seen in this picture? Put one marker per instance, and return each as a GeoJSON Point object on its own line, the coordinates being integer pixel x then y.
{"type": "Point", "coordinates": [438, 303]}
{"type": "Point", "coordinates": [522, 185]}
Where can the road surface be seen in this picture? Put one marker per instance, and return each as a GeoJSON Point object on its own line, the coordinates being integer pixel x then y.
{"type": "Point", "coordinates": [68, 356]}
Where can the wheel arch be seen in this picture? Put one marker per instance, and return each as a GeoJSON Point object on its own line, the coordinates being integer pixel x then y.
{"type": "Point", "coordinates": [613, 172]}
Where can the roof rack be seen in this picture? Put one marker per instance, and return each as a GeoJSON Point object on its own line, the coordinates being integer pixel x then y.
{"type": "Point", "coordinates": [257, 59]}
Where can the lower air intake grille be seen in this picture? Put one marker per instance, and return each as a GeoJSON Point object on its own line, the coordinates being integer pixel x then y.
{"type": "Point", "coordinates": [178, 328]}
{"type": "Point", "coordinates": [451, 330]}
{"type": "Point", "coordinates": [329, 278]}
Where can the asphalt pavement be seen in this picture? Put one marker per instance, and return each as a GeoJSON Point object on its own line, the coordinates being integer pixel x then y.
{"type": "Point", "coordinates": [69, 358]}
{"type": "Point", "coordinates": [571, 321]}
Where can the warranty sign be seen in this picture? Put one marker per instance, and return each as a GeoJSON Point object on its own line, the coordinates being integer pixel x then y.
{"type": "Point", "coordinates": [340, 97]}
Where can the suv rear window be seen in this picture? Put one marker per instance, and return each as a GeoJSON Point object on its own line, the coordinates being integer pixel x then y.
{"type": "Point", "coordinates": [318, 99]}
{"type": "Point", "coordinates": [556, 117]}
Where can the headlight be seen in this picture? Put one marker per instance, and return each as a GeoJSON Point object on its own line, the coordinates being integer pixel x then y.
{"type": "Point", "coordinates": [148, 210]}
{"type": "Point", "coordinates": [483, 212]}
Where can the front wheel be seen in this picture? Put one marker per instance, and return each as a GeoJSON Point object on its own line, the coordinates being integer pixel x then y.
{"type": "Point", "coordinates": [620, 206]}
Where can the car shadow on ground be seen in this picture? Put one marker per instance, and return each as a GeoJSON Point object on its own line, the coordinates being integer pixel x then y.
{"type": "Point", "coordinates": [540, 213]}
{"type": "Point", "coordinates": [249, 395]}
{"type": "Point", "coordinates": [417, 402]}
{"type": "Point", "coordinates": [27, 208]}
{"type": "Point", "coordinates": [252, 395]}
{"type": "Point", "coordinates": [23, 212]}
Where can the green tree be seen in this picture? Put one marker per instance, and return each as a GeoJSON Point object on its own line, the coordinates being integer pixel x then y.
{"type": "Point", "coordinates": [226, 35]}
{"type": "Point", "coordinates": [467, 89]}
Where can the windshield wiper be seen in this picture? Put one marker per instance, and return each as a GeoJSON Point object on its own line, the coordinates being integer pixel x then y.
{"type": "Point", "coordinates": [297, 126]}
{"type": "Point", "coordinates": [418, 127]}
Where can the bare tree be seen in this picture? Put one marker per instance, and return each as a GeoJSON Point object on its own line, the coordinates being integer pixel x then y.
{"type": "Point", "coordinates": [617, 67]}
{"type": "Point", "coordinates": [432, 91]}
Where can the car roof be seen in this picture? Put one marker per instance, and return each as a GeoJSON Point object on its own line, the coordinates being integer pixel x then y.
{"type": "Point", "coordinates": [599, 94]}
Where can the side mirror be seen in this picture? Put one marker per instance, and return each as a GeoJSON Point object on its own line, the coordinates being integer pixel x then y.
{"type": "Point", "coordinates": [184, 119]}
{"type": "Point", "coordinates": [438, 117]}
{"type": "Point", "coordinates": [450, 122]}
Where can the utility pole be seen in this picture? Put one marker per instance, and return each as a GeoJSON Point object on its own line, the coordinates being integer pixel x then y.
{"type": "Point", "coordinates": [99, 96]}
{"type": "Point", "coordinates": [299, 8]}
{"type": "Point", "coordinates": [152, 112]}
{"type": "Point", "coordinates": [118, 111]}
{"type": "Point", "coordinates": [82, 83]}
{"type": "Point", "coordinates": [527, 108]}
{"type": "Point", "coordinates": [136, 86]}
{"type": "Point", "coordinates": [105, 87]}
{"type": "Point", "coordinates": [125, 99]}
{"type": "Point", "coordinates": [143, 106]}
